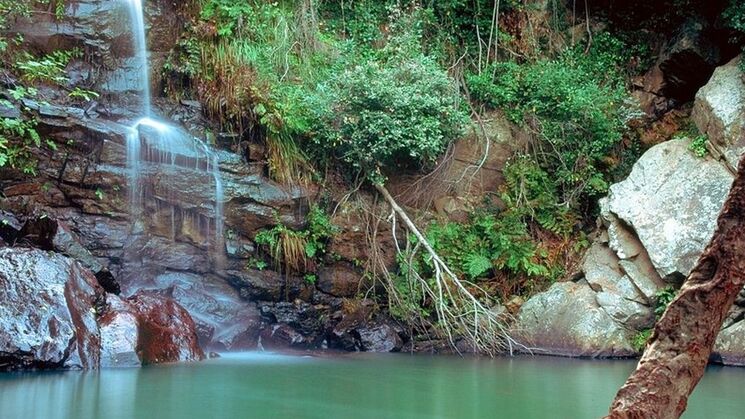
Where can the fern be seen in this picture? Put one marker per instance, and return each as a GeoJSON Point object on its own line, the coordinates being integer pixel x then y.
{"type": "Point", "coordinates": [477, 265]}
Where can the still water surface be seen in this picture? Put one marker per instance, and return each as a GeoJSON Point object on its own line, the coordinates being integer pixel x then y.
{"type": "Point", "coordinates": [349, 386]}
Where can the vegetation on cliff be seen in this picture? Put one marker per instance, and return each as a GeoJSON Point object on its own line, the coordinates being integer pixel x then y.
{"type": "Point", "coordinates": [358, 93]}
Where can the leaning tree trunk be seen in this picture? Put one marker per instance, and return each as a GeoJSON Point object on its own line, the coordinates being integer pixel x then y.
{"type": "Point", "coordinates": [682, 341]}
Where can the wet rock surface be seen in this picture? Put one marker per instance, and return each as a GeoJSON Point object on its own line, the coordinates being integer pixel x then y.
{"type": "Point", "coordinates": [167, 333]}
{"type": "Point", "coordinates": [119, 326]}
{"type": "Point", "coordinates": [48, 306]}
{"type": "Point", "coordinates": [223, 320]}
{"type": "Point", "coordinates": [54, 315]}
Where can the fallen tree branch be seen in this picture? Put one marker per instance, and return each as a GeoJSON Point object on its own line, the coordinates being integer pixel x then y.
{"type": "Point", "coordinates": [459, 312]}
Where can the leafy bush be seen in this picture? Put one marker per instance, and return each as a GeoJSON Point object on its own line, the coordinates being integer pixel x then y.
{"type": "Point", "coordinates": [575, 104]}
{"type": "Point", "coordinates": [486, 244]}
{"type": "Point", "coordinates": [531, 194]}
{"type": "Point", "coordinates": [17, 136]}
{"type": "Point", "coordinates": [396, 114]}
{"type": "Point", "coordinates": [734, 18]}
{"type": "Point", "coordinates": [734, 15]}
{"type": "Point", "coordinates": [663, 298]}
{"type": "Point", "coordinates": [640, 339]}
{"type": "Point", "coordinates": [49, 68]}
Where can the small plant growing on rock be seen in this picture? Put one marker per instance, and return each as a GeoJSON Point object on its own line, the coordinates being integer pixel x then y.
{"type": "Point", "coordinates": [663, 298]}
{"type": "Point", "coordinates": [698, 146]}
{"type": "Point", "coordinates": [640, 339]}
{"type": "Point", "coordinates": [298, 251]}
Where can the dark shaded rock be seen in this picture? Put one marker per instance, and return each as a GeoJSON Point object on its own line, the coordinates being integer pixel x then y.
{"type": "Point", "coordinates": [282, 336]}
{"type": "Point", "coordinates": [167, 332]}
{"type": "Point", "coordinates": [341, 280]}
{"type": "Point", "coordinates": [685, 64]}
{"type": "Point", "coordinates": [10, 227]}
{"type": "Point", "coordinates": [257, 285]}
{"type": "Point", "coordinates": [47, 312]}
{"type": "Point", "coordinates": [359, 330]}
{"type": "Point", "coordinates": [265, 285]}
{"type": "Point", "coordinates": [106, 280]}
{"type": "Point", "coordinates": [305, 318]}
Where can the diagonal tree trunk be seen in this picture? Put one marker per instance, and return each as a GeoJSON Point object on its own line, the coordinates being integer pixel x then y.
{"type": "Point", "coordinates": [681, 344]}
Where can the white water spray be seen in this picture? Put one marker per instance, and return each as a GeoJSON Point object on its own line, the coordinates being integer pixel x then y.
{"type": "Point", "coordinates": [154, 144]}
{"type": "Point", "coordinates": [137, 16]}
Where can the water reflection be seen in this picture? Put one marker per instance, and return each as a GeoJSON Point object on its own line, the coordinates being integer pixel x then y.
{"type": "Point", "coordinates": [356, 386]}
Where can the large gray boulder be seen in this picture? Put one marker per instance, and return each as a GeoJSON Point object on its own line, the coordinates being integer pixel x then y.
{"type": "Point", "coordinates": [729, 348]}
{"type": "Point", "coordinates": [671, 201]}
{"type": "Point", "coordinates": [567, 320]}
{"type": "Point", "coordinates": [48, 306]}
{"type": "Point", "coordinates": [719, 112]}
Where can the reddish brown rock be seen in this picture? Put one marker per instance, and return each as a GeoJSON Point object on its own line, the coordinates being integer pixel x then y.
{"type": "Point", "coordinates": [167, 332]}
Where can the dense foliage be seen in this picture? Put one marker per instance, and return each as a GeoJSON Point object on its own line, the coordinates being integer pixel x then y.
{"type": "Point", "coordinates": [18, 135]}
{"type": "Point", "coordinates": [396, 114]}
{"type": "Point", "coordinates": [577, 106]}
{"type": "Point", "coordinates": [734, 18]}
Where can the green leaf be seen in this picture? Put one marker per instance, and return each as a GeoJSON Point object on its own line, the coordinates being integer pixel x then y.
{"type": "Point", "coordinates": [477, 265]}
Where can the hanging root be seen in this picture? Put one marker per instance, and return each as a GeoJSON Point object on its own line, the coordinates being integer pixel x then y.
{"type": "Point", "coordinates": [459, 313]}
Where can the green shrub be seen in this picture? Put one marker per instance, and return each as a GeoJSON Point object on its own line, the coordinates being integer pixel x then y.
{"type": "Point", "coordinates": [486, 244]}
{"type": "Point", "coordinates": [734, 18]}
{"type": "Point", "coordinates": [50, 68]}
{"type": "Point", "coordinates": [640, 339]}
{"type": "Point", "coordinates": [17, 137]}
{"type": "Point", "coordinates": [576, 104]}
{"type": "Point", "coordinates": [663, 298]}
{"type": "Point", "coordinates": [397, 114]}
{"type": "Point", "coordinates": [531, 194]}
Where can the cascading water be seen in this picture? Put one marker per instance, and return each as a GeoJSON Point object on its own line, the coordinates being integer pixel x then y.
{"type": "Point", "coordinates": [137, 16]}
{"type": "Point", "coordinates": [155, 149]}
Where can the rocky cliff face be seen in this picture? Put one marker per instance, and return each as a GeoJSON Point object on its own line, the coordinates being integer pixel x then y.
{"type": "Point", "coordinates": [162, 263]}
{"type": "Point", "coordinates": [656, 224]}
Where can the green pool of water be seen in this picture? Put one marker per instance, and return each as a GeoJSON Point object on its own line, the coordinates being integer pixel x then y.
{"type": "Point", "coordinates": [350, 386]}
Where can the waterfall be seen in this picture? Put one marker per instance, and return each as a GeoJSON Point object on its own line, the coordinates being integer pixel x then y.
{"type": "Point", "coordinates": [156, 148]}
{"type": "Point", "coordinates": [137, 16]}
